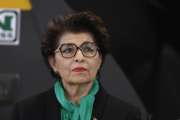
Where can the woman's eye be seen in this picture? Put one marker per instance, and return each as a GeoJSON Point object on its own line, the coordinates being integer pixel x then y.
{"type": "Point", "coordinates": [88, 49]}
{"type": "Point", "coordinates": [67, 50]}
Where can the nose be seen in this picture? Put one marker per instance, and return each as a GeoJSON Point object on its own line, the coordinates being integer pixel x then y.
{"type": "Point", "coordinates": [79, 56]}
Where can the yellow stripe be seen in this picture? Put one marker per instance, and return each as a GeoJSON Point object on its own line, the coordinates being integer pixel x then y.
{"type": "Point", "coordinates": [21, 4]}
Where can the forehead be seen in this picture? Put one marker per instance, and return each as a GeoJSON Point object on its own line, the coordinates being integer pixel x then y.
{"type": "Point", "coordinates": [76, 38]}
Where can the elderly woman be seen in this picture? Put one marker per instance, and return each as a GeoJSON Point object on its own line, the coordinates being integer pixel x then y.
{"type": "Point", "coordinates": [74, 49]}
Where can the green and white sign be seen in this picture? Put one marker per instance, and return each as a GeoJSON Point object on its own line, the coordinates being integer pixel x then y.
{"type": "Point", "coordinates": [9, 26]}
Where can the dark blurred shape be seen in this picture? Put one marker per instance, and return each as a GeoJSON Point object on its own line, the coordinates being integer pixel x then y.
{"type": "Point", "coordinates": [9, 85]}
{"type": "Point", "coordinates": [9, 90]}
{"type": "Point", "coordinates": [168, 105]}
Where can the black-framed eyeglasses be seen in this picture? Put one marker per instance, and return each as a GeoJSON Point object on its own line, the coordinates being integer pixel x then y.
{"type": "Point", "coordinates": [69, 50]}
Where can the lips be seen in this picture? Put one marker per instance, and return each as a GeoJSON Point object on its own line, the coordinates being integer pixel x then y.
{"type": "Point", "coordinates": [79, 69]}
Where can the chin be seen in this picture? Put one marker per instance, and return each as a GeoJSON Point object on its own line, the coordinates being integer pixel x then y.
{"type": "Point", "coordinates": [79, 80]}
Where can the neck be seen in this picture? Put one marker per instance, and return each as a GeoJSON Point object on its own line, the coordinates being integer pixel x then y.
{"type": "Point", "coordinates": [74, 92]}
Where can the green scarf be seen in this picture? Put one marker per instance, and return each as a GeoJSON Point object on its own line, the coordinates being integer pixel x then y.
{"type": "Point", "coordinates": [71, 111]}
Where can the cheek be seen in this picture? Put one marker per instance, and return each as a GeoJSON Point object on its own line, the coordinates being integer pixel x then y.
{"type": "Point", "coordinates": [63, 68]}
{"type": "Point", "coordinates": [95, 67]}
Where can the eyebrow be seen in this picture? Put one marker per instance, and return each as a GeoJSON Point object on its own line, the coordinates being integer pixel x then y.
{"type": "Point", "coordinates": [75, 44]}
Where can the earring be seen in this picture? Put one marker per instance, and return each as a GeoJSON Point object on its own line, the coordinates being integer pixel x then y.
{"type": "Point", "coordinates": [56, 73]}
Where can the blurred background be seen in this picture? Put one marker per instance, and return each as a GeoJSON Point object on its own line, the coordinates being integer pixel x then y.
{"type": "Point", "coordinates": [143, 67]}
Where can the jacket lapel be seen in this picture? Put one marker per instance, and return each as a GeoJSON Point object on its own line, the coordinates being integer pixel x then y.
{"type": "Point", "coordinates": [52, 109]}
{"type": "Point", "coordinates": [99, 104]}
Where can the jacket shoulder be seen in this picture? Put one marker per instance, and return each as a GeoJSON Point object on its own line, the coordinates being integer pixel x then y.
{"type": "Point", "coordinates": [31, 108]}
{"type": "Point", "coordinates": [121, 109]}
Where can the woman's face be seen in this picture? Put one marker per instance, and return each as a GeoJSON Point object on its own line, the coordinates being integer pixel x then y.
{"type": "Point", "coordinates": [77, 69]}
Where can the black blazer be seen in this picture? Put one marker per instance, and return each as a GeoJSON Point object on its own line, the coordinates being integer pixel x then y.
{"type": "Point", "coordinates": [45, 107]}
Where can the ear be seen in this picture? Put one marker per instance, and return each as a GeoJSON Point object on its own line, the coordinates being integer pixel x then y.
{"type": "Point", "coordinates": [52, 63]}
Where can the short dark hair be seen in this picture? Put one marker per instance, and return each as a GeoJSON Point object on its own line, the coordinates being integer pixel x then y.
{"type": "Point", "coordinates": [77, 22]}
